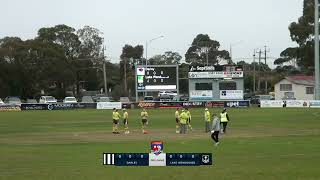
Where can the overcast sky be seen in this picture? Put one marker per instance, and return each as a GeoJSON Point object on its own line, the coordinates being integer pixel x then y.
{"type": "Point", "coordinates": [247, 24]}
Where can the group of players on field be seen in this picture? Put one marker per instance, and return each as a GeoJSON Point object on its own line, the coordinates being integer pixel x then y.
{"type": "Point", "coordinates": [183, 122]}
{"type": "Point", "coordinates": [116, 118]}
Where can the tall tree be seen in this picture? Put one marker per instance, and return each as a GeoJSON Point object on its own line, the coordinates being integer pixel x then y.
{"type": "Point", "coordinates": [63, 35]}
{"type": "Point", "coordinates": [31, 66]}
{"type": "Point", "coordinates": [301, 32]}
{"type": "Point", "coordinates": [91, 42]}
{"type": "Point", "coordinates": [167, 58]}
{"type": "Point", "coordinates": [204, 49]}
{"type": "Point", "coordinates": [129, 57]}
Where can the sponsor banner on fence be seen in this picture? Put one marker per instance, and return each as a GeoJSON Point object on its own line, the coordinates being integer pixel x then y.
{"type": "Point", "coordinates": [296, 103]}
{"type": "Point", "coordinates": [200, 95]}
{"type": "Point", "coordinates": [236, 103]}
{"type": "Point", "coordinates": [109, 105]}
{"type": "Point", "coordinates": [271, 103]}
{"type": "Point", "coordinates": [314, 104]}
{"type": "Point", "coordinates": [169, 105]}
{"type": "Point", "coordinates": [217, 104]}
{"type": "Point", "coordinates": [25, 107]}
{"type": "Point", "coordinates": [147, 105]}
{"type": "Point", "coordinates": [58, 106]}
{"type": "Point", "coordinates": [4, 108]}
{"type": "Point", "coordinates": [231, 94]}
{"type": "Point", "coordinates": [216, 74]}
{"type": "Point", "coordinates": [193, 104]}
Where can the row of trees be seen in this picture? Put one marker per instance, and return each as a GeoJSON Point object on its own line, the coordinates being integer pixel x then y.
{"type": "Point", "coordinates": [58, 59]}
{"type": "Point", "coordinates": [62, 60]}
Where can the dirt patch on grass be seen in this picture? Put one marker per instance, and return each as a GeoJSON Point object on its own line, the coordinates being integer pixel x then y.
{"type": "Point", "coordinates": [136, 135]}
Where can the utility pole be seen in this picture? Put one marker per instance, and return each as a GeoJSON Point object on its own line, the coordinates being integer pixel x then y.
{"type": "Point", "coordinates": [207, 54]}
{"type": "Point", "coordinates": [146, 53]}
{"type": "Point", "coordinates": [316, 51]}
{"type": "Point", "coordinates": [254, 71]}
{"type": "Point", "coordinates": [125, 74]}
{"type": "Point", "coordinates": [259, 70]}
{"type": "Point", "coordinates": [104, 73]}
{"type": "Point", "coordinates": [230, 54]}
{"type": "Point", "coordinates": [265, 70]}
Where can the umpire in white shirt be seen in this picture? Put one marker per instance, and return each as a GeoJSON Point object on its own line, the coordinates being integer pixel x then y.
{"type": "Point", "coordinates": [215, 129]}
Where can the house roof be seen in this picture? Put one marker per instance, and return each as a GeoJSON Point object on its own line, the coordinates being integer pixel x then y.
{"type": "Point", "coordinates": [301, 79]}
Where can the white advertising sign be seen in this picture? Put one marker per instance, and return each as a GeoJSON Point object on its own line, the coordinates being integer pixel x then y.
{"type": "Point", "coordinates": [231, 94]}
{"type": "Point", "coordinates": [109, 105]}
{"type": "Point", "coordinates": [161, 87]}
{"type": "Point", "coordinates": [196, 94]}
{"type": "Point", "coordinates": [157, 160]}
{"type": "Point", "coordinates": [297, 103]}
{"type": "Point", "coordinates": [314, 104]}
{"type": "Point", "coordinates": [271, 103]}
{"type": "Point", "coordinates": [216, 74]}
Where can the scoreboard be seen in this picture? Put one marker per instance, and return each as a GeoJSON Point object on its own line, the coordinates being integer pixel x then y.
{"type": "Point", "coordinates": [165, 159]}
{"type": "Point", "coordinates": [157, 158]}
{"type": "Point", "coordinates": [156, 77]}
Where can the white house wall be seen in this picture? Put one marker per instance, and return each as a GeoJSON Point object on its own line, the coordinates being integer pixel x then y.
{"type": "Point", "coordinates": [299, 91]}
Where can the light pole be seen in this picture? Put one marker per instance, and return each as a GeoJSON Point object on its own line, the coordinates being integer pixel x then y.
{"type": "Point", "coordinates": [104, 73]}
{"type": "Point", "coordinates": [147, 43]}
{"type": "Point", "coordinates": [316, 51]}
{"type": "Point", "coordinates": [233, 44]}
{"type": "Point", "coordinates": [103, 69]}
{"type": "Point", "coordinates": [254, 71]}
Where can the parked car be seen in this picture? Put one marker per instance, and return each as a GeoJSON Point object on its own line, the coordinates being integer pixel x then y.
{"type": "Point", "coordinates": [70, 100]}
{"type": "Point", "coordinates": [125, 102]}
{"type": "Point", "coordinates": [103, 99]}
{"type": "Point", "coordinates": [1, 102]}
{"type": "Point", "coordinates": [180, 98]}
{"type": "Point", "coordinates": [148, 98]}
{"type": "Point", "coordinates": [288, 96]}
{"type": "Point", "coordinates": [256, 99]}
{"type": "Point", "coordinates": [12, 100]}
{"type": "Point", "coordinates": [165, 98]}
{"type": "Point", "coordinates": [266, 97]}
{"type": "Point", "coordinates": [47, 100]}
{"type": "Point", "coordinates": [87, 99]}
{"type": "Point", "coordinates": [124, 99]}
{"type": "Point", "coordinates": [170, 93]}
{"type": "Point", "coordinates": [247, 96]}
{"type": "Point", "coordinates": [31, 101]}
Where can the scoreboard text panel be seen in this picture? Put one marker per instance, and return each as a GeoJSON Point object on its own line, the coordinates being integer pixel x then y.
{"type": "Point", "coordinates": [151, 78]}
{"type": "Point", "coordinates": [164, 159]}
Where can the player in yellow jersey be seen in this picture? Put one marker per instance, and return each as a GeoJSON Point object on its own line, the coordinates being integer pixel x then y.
{"type": "Point", "coordinates": [189, 119]}
{"type": "Point", "coordinates": [177, 116]}
{"type": "Point", "coordinates": [115, 116]}
{"type": "Point", "coordinates": [144, 120]}
{"type": "Point", "coordinates": [125, 121]}
{"type": "Point", "coordinates": [183, 121]}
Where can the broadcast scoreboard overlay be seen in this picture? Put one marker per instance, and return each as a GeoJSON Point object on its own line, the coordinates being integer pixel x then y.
{"type": "Point", "coordinates": [157, 158]}
{"type": "Point", "coordinates": [155, 78]}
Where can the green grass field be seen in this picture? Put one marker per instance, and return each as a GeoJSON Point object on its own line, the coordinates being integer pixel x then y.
{"type": "Point", "coordinates": [64, 145]}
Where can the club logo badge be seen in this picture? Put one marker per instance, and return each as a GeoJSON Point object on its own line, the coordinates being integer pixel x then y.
{"type": "Point", "coordinates": [156, 147]}
{"type": "Point", "coordinates": [205, 159]}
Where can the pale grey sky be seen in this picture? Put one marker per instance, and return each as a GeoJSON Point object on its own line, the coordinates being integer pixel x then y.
{"type": "Point", "coordinates": [253, 22]}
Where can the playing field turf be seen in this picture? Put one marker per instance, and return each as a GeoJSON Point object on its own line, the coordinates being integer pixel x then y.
{"type": "Point", "coordinates": [65, 145]}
